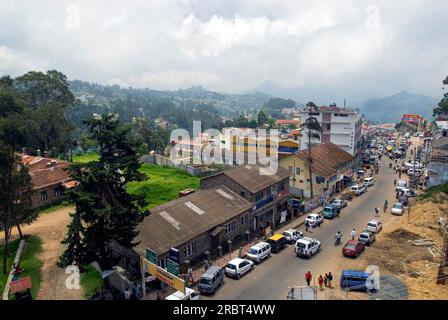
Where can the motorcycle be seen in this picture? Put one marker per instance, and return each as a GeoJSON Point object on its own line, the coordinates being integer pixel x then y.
{"type": "Point", "coordinates": [337, 241]}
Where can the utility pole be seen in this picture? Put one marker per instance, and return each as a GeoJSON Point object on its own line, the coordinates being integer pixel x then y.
{"type": "Point", "coordinates": [309, 163]}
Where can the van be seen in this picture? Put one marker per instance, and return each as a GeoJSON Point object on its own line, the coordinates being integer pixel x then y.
{"type": "Point", "coordinates": [368, 182]}
{"type": "Point", "coordinates": [331, 211]}
{"type": "Point", "coordinates": [354, 280]}
{"type": "Point", "coordinates": [258, 252]}
{"type": "Point", "coordinates": [211, 279]}
{"type": "Point", "coordinates": [189, 294]}
{"type": "Point", "coordinates": [277, 242]}
{"type": "Point", "coordinates": [358, 189]}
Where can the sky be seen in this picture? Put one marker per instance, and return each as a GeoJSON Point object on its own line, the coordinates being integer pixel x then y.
{"type": "Point", "coordinates": [380, 47]}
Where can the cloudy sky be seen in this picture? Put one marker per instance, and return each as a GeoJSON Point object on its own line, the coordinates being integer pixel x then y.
{"type": "Point", "coordinates": [233, 45]}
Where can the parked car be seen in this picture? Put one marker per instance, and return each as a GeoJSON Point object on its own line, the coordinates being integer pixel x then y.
{"type": "Point", "coordinates": [366, 237]}
{"type": "Point", "coordinates": [353, 248]}
{"type": "Point", "coordinates": [368, 182]}
{"type": "Point", "coordinates": [238, 267]}
{"type": "Point", "coordinates": [408, 192]}
{"type": "Point", "coordinates": [401, 184]}
{"type": "Point", "coordinates": [331, 211]}
{"type": "Point", "coordinates": [189, 294]}
{"type": "Point", "coordinates": [339, 203]}
{"type": "Point", "coordinates": [397, 209]}
{"type": "Point", "coordinates": [374, 226]}
{"type": "Point", "coordinates": [307, 247]}
{"type": "Point", "coordinates": [292, 235]}
{"type": "Point", "coordinates": [277, 242]}
{"type": "Point", "coordinates": [314, 219]}
{"type": "Point", "coordinates": [412, 164]}
{"type": "Point", "coordinates": [259, 252]}
{"type": "Point", "coordinates": [358, 189]}
{"type": "Point", "coordinates": [211, 280]}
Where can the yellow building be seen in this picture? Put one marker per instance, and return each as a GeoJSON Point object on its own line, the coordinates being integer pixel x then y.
{"type": "Point", "coordinates": [330, 170]}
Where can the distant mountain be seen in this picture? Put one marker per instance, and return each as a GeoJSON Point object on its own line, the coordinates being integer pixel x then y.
{"type": "Point", "coordinates": [321, 95]}
{"type": "Point", "coordinates": [391, 108]}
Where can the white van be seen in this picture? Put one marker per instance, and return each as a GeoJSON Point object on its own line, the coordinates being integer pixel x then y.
{"type": "Point", "coordinates": [358, 189]}
{"type": "Point", "coordinates": [368, 182]}
{"type": "Point", "coordinates": [189, 294]}
{"type": "Point", "coordinates": [401, 184]}
{"type": "Point", "coordinates": [258, 252]}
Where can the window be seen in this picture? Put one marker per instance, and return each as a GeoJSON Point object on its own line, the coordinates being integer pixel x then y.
{"type": "Point", "coordinates": [290, 169]}
{"type": "Point", "coordinates": [43, 196]}
{"type": "Point", "coordinates": [281, 186]}
{"type": "Point", "coordinates": [229, 228]}
{"type": "Point", "coordinates": [190, 249]}
{"type": "Point", "coordinates": [57, 192]}
{"type": "Point", "coordinates": [244, 219]}
{"type": "Point", "coordinates": [243, 194]}
{"type": "Point", "coordinates": [298, 171]}
{"type": "Point", "coordinates": [328, 126]}
{"type": "Point", "coordinates": [258, 196]}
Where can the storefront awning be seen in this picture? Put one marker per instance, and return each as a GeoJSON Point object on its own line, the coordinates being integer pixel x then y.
{"type": "Point", "coordinates": [348, 174]}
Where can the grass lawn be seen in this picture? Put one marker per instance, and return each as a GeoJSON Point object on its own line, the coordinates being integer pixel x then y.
{"type": "Point", "coordinates": [91, 281]}
{"type": "Point", "coordinates": [53, 207]}
{"type": "Point", "coordinates": [28, 262]}
{"type": "Point", "coordinates": [163, 184]}
{"type": "Point", "coordinates": [87, 157]}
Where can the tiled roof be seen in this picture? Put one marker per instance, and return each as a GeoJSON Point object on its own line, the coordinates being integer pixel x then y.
{"type": "Point", "coordinates": [326, 157]}
{"type": "Point", "coordinates": [178, 221]}
{"type": "Point", "coordinates": [46, 172]}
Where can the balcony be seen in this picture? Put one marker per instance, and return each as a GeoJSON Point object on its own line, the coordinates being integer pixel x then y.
{"type": "Point", "coordinates": [264, 201]}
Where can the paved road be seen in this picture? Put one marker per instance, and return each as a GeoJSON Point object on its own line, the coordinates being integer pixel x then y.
{"type": "Point", "coordinates": [271, 278]}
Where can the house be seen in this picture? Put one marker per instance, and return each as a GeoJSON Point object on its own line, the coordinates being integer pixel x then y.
{"type": "Point", "coordinates": [330, 169]}
{"type": "Point", "coordinates": [268, 194]}
{"type": "Point", "coordinates": [49, 179]}
{"type": "Point", "coordinates": [199, 225]}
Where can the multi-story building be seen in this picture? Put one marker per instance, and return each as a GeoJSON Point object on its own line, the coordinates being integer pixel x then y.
{"type": "Point", "coordinates": [340, 126]}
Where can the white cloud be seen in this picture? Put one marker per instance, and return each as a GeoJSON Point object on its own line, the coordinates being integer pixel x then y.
{"type": "Point", "coordinates": [230, 46]}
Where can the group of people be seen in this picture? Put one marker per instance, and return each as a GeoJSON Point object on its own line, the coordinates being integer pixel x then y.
{"type": "Point", "coordinates": [321, 280]}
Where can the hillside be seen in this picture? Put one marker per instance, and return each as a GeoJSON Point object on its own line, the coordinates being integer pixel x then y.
{"type": "Point", "coordinates": [391, 109]}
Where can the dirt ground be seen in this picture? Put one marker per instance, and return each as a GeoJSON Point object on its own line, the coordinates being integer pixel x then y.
{"type": "Point", "coordinates": [51, 228]}
{"type": "Point", "coordinates": [396, 256]}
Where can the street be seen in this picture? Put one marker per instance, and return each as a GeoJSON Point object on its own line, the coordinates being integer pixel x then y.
{"type": "Point", "coordinates": [271, 278]}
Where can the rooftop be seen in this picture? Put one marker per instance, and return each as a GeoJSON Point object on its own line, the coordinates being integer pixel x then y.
{"type": "Point", "coordinates": [185, 218]}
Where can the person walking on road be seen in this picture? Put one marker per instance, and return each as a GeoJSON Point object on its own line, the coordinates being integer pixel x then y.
{"type": "Point", "coordinates": [386, 204]}
{"type": "Point", "coordinates": [306, 225]}
{"type": "Point", "coordinates": [321, 282]}
{"type": "Point", "coordinates": [308, 277]}
{"type": "Point", "coordinates": [377, 212]}
{"type": "Point", "coordinates": [326, 280]}
{"type": "Point", "coordinates": [353, 234]}
{"type": "Point", "coordinates": [330, 278]}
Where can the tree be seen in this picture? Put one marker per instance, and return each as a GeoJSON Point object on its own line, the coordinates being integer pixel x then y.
{"type": "Point", "coordinates": [15, 182]}
{"type": "Point", "coordinates": [442, 106]}
{"type": "Point", "coordinates": [105, 212]}
{"type": "Point", "coordinates": [262, 118]}
{"type": "Point", "coordinates": [314, 130]}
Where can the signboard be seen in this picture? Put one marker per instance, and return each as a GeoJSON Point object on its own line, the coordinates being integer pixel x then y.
{"type": "Point", "coordinates": [20, 285]}
{"type": "Point", "coordinates": [151, 256]}
{"type": "Point", "coordinates": [174, 255]}
{"type": "Point", "coordinates": [413, 118]}
{"type": "Point", "coordinates": [162, 274]}
{"type": "Point", "coordinates": [296, 203]}
{"type": "Point", "coordinates": [283, 216]}
{"type": "Point", "coordinates": [172, 267]}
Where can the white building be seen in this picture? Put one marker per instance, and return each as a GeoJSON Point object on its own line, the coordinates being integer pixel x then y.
{"type": "Point", "coordinates": [342, 127]}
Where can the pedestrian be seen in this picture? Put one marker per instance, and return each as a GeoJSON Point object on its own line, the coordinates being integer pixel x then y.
{"type": "Point", "coordinates": [326, 280]}
{"type": "Point", "coordinates": [206, 265]}
{"type": "Point", "coordinates": [395, 182]}
{"type": "Point", "coordinates": [306, 225]}
{"type": "Point", "coordinates": [321, 281]}
{"type": "Point", "coordinates": [353, 234]}
{"type": "Point", "coordinates": [127, 294]}
{"type": "Point", "coordinates": [308, 277]}
{"type": "Point", "coordinates": [377, 211]}
{"type": "Point", "coordinates": [330, 278]}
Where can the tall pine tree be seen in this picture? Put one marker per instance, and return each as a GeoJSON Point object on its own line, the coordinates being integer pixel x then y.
{"type": "Point", "coordinates": [105, 212]}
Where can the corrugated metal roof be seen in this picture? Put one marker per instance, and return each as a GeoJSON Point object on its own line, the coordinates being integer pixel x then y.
{"type": "Point", "coordinates": [183, 219]}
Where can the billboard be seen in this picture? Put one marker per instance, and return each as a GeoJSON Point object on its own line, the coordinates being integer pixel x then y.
{"type": "Point", "coordinates": [412, 118]}
{"type": "Point", "coordinates": [162, 274]}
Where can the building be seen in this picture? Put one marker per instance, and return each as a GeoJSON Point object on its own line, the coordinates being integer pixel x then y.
{"type": "Point", "coordinates": [49, 178]}
{"type": "Point", "coordinates": [438, 162]}
{"type": "Point", "coordinates": [199, 225]}
{"type": "Point", "coordinates": [268, 194]}
{"type": "Point", "coordinates": [331, 170]}
{"type": "Point", "coordinates": [339, 126]}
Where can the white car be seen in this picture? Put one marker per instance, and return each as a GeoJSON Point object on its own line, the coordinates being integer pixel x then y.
{"type": "Point", "coordinates": [374, 226]}
{"type": "Point", "coordinates": [314, 219]}
{"type": "Point", "coordinates": [397, 209]}
{"type": "Point", "coordinates": [368, 182]}
{"type": "Point", "coordinates": [189, 294]}
{"type": "Point", "coordinates": [292, 235]}
{"type": "Point", "coordinates": [412, 164]}
{"type": "Point", "coordinates": [339, 203]}
{"type": "Point", "coordinates": [259, 252]}
{"type": "Point", "coordinates": [238, 267]}
{"type": "Point", "coordinates": [358, 189]}
{"type": "Point", "coordinates": [306, 247]}
{"type": "Point", "coordinates": [401, 184]}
